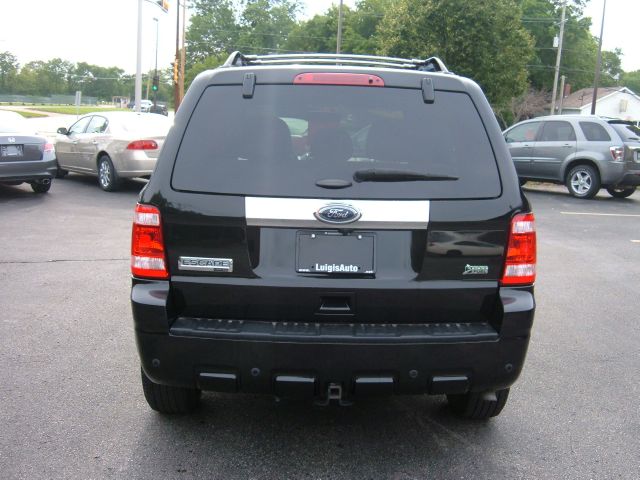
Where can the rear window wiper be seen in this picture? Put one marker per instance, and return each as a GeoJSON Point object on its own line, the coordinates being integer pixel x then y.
{"type": "Point", "coordinates": [386, 175]}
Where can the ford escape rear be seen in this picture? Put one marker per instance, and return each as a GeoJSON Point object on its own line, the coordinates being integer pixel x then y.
{"type": "Point", "coordinates": [331, 227]}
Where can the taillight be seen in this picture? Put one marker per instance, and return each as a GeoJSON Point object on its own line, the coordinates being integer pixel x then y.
{"type": "Point", "coordinates": [352, 79]}
{"type": "Point", "coordinates": [143, 145]}
{"type": "Point", "coordinates": [48, 147]}
{"type": "Point", "coordinates": [147, 245]}
{"type": "Point", "coordinates": [617, 153]}
{"type": "Point", "coordinates": [520, 264]}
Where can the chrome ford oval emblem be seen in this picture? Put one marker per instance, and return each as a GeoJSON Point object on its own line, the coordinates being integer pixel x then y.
{"type": "Point", "coordinates": [337, 213]}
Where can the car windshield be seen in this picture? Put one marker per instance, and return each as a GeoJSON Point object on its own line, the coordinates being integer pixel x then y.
{"type": "Point", "coordinates": [627, 131]}
{"type": "Point", "coordinates": [293, 140]}
{"type": "Point", "coordinates": [12, 122]}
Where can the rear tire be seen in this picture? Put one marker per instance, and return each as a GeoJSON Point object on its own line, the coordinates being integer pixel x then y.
{"type": "Point", "coordinates": [478, 405]}
{"type": "Point", "coordinates": [167, 399]}
{"type": "Point", "coordinates": [621, 192]}
{"type": "Point", "coordinates": [40, 187]}
{"type": "Point", "coordinates": [107, 176]}
{"type": "Point", "coordinates": [583, 181]}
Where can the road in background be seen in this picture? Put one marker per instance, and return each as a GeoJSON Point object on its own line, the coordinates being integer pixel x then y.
{"type": "Point", "coordinates": [72, 405]}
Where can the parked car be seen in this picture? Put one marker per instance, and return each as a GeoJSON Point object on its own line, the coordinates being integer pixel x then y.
{"type": "Point", "coordinates": [160, 108]}
{"type": "Point", "coordinates": [112, 146]}
{"type": "Point", "coordinates": [25, 156]}
{"type": "Point", "coordinates": [584, 152]}
{"type": "Point", "coordinates": [145, 105]}
{"type": "Point", "coordinates": [328, 233]}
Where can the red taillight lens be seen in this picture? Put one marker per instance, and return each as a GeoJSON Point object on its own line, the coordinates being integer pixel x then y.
{"type": "Point", "coordinates": [48, 147]}
{"type": "Point", "coordinates": [353, 79]}
{"type": "Point", "coordinates": [147, 245]}
{"type": "Point", "coordinates": [143, 145]}
{"type": "Point", "coordinates": [617, 153]}
{"type": "Point", "coordinates": [520, 264]}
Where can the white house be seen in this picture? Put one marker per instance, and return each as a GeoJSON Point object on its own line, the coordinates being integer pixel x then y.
{"type": "Point", "coordinates": [613, 102]}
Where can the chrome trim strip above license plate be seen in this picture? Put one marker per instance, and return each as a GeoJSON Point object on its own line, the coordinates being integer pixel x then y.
{"type": "Point", "coordinates": [202, 264]}
{"type": "Point", "coordinates": [299, 213]}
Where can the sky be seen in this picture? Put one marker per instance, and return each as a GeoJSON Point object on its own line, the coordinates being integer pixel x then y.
{"type": "Point", "coordinates": [103, 32]}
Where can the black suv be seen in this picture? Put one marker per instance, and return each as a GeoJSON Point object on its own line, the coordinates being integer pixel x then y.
{"type": "Point", "coordinates": [331, 226]}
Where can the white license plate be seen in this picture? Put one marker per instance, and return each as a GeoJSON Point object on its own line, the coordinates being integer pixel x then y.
{"type": "Point", "coordinates": [12, 150]}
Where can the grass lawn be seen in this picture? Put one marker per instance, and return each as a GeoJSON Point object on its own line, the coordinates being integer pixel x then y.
{"type": "Point", "coordinates": [71, 110]}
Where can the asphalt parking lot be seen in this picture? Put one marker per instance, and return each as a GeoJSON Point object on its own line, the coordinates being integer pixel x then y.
{"type": "Point", "coordinates": [71, 404]}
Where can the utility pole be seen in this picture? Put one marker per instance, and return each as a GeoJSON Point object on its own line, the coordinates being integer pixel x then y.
{"type": "Point", "coordinates": [183, 51]}
{"type": "Point", "coordinates": [176, 68]}
{"type": "Point", "coordinates": [558, 57]}
{"type": "Point", "coordinates": [561, 94]}
{"type": "Point", "coordinates": [596, 77]}
{"type": "Point", "coordinates": [138, 90]}
{"type": "Point", "coordinates": [339, 42]}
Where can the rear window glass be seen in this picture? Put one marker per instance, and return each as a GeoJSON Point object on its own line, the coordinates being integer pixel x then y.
{"type": "Point", "coordinates": [626, 131]}
{"type": "Point", "coordinates": [557, 132]}
{"type": "Point", "coordinates": [286, 138]}
{"type": "Point", "coordinates": [594, 132]}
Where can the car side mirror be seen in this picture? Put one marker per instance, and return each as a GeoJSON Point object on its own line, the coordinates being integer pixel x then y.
{"type": "Point", "coordinates": [63, 131]}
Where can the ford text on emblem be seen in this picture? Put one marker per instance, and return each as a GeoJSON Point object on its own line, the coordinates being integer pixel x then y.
{"type": "Point", "coordinates": [337, 213]}
{"type": "Point", "coordinates": [11, 139]}
{"type": "Point", "coordinates": [200, 264]}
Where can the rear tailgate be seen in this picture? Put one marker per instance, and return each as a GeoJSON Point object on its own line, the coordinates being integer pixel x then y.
{"type": "Point", "coordinates": [244, 232]}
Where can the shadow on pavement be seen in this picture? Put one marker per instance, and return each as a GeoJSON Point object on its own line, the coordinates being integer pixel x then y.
{"type": "Point", "coordinates": [249, 436]}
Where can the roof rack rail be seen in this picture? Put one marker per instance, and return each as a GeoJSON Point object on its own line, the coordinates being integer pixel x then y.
{"type": "Point", "coordinates": [432, 64]}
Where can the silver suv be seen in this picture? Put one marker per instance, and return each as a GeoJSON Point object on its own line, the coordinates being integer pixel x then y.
{"type": "Point", "coordinates": [582, 151]}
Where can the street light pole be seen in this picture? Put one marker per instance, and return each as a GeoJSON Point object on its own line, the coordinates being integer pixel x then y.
{"type": "Point", "coordinates": [596, 77]}
{"type": "Point", "coordinates": [339, 42]}
{"type": "Point", "coordinates": [138, 89]}
{"type": "Point", "coordinates": [558, 57]}
{"type": "Point", "coordinates": [155, 72]}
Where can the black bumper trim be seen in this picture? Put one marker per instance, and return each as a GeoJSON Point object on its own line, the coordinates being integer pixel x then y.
{"type": "Point", "coordinates": [303, 332]}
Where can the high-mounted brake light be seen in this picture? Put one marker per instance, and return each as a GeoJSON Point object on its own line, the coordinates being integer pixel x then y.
{"type": "Point", "coordinates": [352, 79]}
{"type": "Point", "coordinates": [520, 263]}
{"type": "Point", "coordinates": [147, 245]}
{"type": "Point", "coordinates": [617, 153]}
{"type": "Point", "coordinates": [143, 145]}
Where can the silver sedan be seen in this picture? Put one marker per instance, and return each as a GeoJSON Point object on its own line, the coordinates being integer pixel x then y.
{"type": "Point", "coordinates": [112, 146]}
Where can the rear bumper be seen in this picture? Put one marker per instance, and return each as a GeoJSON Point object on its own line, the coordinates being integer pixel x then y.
{"type": "Point", "coordinates": [290, 359]}
{"type": "Point", "coordinates": [28, 171]}
{"type": "Point", "coordinates": [630, 179]}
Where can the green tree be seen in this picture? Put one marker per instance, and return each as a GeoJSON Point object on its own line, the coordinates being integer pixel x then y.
{"type": "Point", "coordinates": [265, 24]}
{"type": "Point", "coordinates": [8, 71]}
{"type": "Point", "coordinates": [30, 80]}
{"type": "Point", "coordinates": [611, 71]}
{"type": "Point", "coordinates": [481, 40]}
{"type": "Point", "coordinates": [360, 26]}
{"type": "Point", "coordinates": [631, 80]}
{"type": "Point", "coordinates": [542, 19]}
{"type": "Point", "coordinates": [208, 63]}
{"type": "Point", "coordinates": [213, 29]}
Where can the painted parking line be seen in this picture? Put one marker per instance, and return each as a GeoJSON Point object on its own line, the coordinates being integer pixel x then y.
{"type": "Point", "coordinates": [602, 214]}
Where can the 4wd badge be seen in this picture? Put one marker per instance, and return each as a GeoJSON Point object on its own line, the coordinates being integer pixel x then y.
{"type": "Point", "coordinates": [475, 270]}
